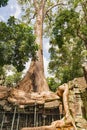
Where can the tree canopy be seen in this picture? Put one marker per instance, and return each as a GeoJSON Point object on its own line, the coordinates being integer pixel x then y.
{"type": "Point", "coordinates": [3, 3]}
{"type": "Point", "coordinates": [68, 43]}
{"type": "Point", "coordinates": [16, 43]}
{"type": "Point", "coordinates": [39, 10]}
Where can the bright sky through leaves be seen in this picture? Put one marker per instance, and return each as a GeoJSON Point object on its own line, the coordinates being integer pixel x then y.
{"type": "Point", "coordinates": [13, 9]}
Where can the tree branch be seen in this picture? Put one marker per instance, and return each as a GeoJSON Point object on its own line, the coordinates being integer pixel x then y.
{"type": "Point", "coordinates": [42, 3]}
{"type": "Point", "coordinates": [35, 5]}
{"type": "Point", "coordinates": [82, 37]}
{"type": "Point", "coordinates": [84, 10]}
{"type": "Point", "coordinates": [50, 19]}
{"type": "Point", "coordinates": [32, 17]}
{"type": "Point", "coordinates": [79, 34]}
{"type": "Point", "coordinates": [53, 7]}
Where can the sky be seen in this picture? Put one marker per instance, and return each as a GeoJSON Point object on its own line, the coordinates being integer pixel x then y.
{"type": "Point", "coordinates": [13, 9]}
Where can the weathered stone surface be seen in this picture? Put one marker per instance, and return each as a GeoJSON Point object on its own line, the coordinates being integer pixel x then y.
{"type": "Point", "coordinates": [3, 92]}
{"type": "Point", "coordinates": [78, 102]}
{"type": "Point", "coordinates": [52, 104]}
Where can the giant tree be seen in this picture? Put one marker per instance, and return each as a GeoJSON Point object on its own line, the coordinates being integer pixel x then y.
{"type": "Point", "coordinates": [40, 11]}
{"type": "Point", "coordinates": [34, 79]}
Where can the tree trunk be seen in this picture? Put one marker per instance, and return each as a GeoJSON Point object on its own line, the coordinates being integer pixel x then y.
{"type": "Point", "coordinates": [63, 91]}
{"type": "Point", "coordinates": [85, 70]}
{"type": "Point", "coordinates": [35, 80]}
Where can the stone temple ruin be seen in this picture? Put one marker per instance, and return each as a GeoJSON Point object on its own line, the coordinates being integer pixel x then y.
{"type": "Point", "coordinates": [30, 116]}
{"type": "Point", "coordinates": [14, 117]}
{"type": "Point", "coordinates": [37, 113]}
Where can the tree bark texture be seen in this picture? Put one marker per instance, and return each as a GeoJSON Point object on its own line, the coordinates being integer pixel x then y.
{"type": "Point", "coordinates": [85, 70]}
{"type": "Point", "coordinates": [35, 80]}
{"type": "Point", "coordinates": [63, 91]}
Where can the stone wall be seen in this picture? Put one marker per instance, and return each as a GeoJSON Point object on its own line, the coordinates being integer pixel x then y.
{"type": "Point", "coordinates": [78, 101]}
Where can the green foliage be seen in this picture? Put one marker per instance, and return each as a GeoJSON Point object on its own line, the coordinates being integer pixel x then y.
{"type": "Point", "coordinates": [76, 2]}
{"type": "Point", "coordinates": [3, 3]}
{"type": "Point", "coordinates": [66, 62]}
{"type": "Point", "coordinates": [66, 47]}
{"type": "Point", "coordinates": [53, 85]}
{"type": "Point", "coordinates": [10, 75]}
{"type": "Point", "coordinates": [16, 43]}
{"type": "Point", "coordinates": [12, 80]}
{"type": "Point", "coordinates": [65, 25]}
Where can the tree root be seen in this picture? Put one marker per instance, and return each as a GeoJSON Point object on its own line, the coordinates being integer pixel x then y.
{"type": "Point", "coordinates": [20, 97]}
{"type": "Point", "coordinates": [63, 91]}
{"type": "Point", "coordinates": [64, 122]}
